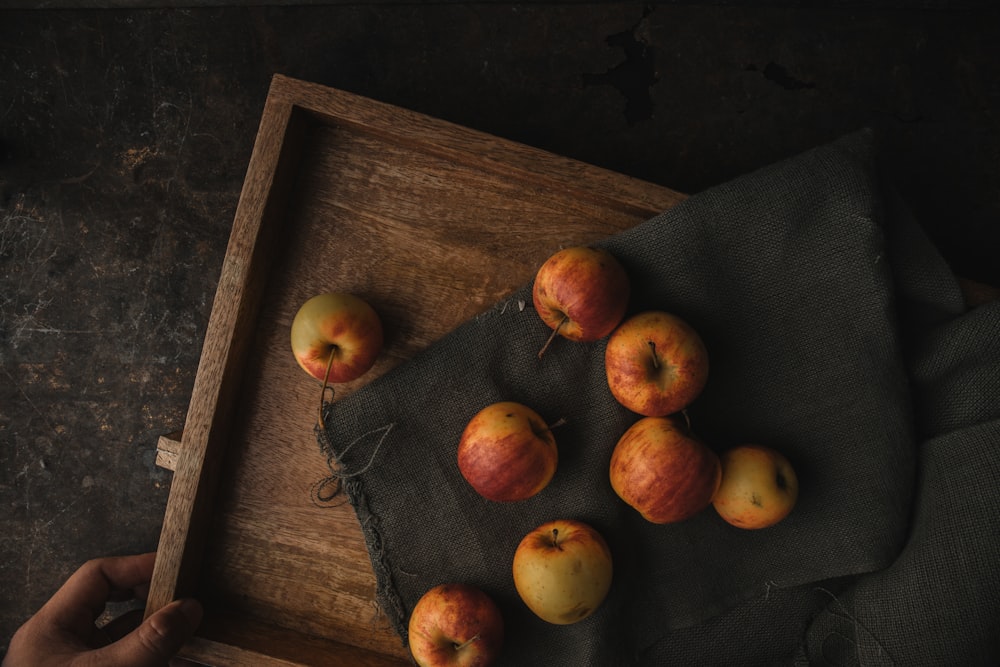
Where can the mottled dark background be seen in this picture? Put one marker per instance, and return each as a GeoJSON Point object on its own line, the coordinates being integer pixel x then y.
{"type": "Point", "coordinates": [126, 127]}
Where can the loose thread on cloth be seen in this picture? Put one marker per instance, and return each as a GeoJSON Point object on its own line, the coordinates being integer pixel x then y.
{"type": "Point", "coordinates": [859, 628]}
{"type": "Point", "coordinates": [325, 490]}
{"type": "Point", "coordinates": [350, 486]}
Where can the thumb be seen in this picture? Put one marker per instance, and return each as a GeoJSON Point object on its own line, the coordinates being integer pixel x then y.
{"type": "Point", "coordinates": [158, 639]}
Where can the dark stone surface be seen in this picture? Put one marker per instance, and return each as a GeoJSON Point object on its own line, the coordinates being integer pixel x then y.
{"type": "Point", "coordinates": [125, 135]}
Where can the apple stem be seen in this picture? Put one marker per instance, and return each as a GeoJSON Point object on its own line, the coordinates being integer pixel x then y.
{"type": "Point", "coordinates": [459, 647]}
{"type": "Point", "coordinates": [555, 537]}
{"type": "Point", "coordinates": [652, 351]}
{"type": "Point", "coordinates": [687, 421]}
{"type": "Point", "coordinates": [326, 385]}
{"type": "Point", "coordinates": [553, 335]}
{"type": "Point", "coordinates": [557, 423]}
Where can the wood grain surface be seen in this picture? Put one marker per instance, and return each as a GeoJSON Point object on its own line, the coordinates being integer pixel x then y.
{"type": "Point", "coordinates": [432, 224]}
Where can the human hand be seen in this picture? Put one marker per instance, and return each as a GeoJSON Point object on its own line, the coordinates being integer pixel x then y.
{"type": "Point", "coordinates": [63, 632]}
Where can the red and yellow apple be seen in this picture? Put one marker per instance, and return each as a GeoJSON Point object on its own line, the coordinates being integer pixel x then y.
{"type": "Point", "coordinates": [336, 337]}
{"type": "Point", "coordinates": [455, 625]}
{"type": "Point", "coordinates": [759, 487]}
{"type": "Point", "coordinates": [663, 473]}
{"type": "Point", "coordinates": [562, 571]}
{"type": "Point", "coordinates": [581, 293]}
{"type": "Point", "coordinates": [507, 452]}
{"type": "Point", "coordinates": [656, 364]}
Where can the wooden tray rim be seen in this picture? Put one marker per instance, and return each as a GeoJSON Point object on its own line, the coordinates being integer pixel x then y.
{"type": "Point", "coordinates": [289, 107]}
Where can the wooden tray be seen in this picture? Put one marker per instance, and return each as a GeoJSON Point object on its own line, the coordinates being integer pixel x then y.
{"type": "Point", "coordinates": [431, 223]}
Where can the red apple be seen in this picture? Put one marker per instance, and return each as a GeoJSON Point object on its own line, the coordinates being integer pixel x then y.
{"type": "Point", "coordinates": [562, 571]}
{"type": "Point", "coordinates": [759, 487]}
{"type": "Point", "coordinates": [339, 332]}
{"type": "Point", "coordinates": [665, 474]}
{"type": "Point", "coordinates": [455, 625]}
{"type": "Point", "coordinates": [581, 293]}
{"type": "Point", "coordinates": [507, 452]}
{"type": "Point", "coordinates": [656, 364]}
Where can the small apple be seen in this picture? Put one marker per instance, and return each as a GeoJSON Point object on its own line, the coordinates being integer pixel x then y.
{"type": "Point", "coordinates": [455, 625]}
{"type": "Point", "coordinates": [663, 473]}
{"type": "Point", "coordinates": [562, 571]}
{"type": "Point", "coordinates": [581, 293]}
{"type": "Point", "coordinates": [656, 364]}
{"type": "Point", "coordinates": [759, 487]}
{"type": "Point", "coordinates": [336, 337]}
{"type": "Point", "coordinates": [507, 452]}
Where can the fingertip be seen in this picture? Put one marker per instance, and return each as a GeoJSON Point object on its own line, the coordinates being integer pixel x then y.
{"type": "Point", "coordinates": [159, 638]}
{"type": "Point", "coordinates": [192, 611]}
{"type": "Point", "coordinates": [180, 616]}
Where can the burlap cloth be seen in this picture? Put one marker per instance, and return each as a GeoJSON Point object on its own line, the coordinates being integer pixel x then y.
{"type": "Point", "coordinates": [836, 334]}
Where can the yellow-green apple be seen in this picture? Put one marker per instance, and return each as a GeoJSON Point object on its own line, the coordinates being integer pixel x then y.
{"type": "Point", "coordinates": [562, 571]}
{"type": "Point", "coordinates": [759, 487]}
{"type": "Point", "coordinates": [581, 293]}
{"type": "Point", "coordinates": [507, 452]}
{"type": "Point", "coordinates": [455, 625]}
{"type": "Point", "coordinates": [662, 472]}
{"type": "Point", "coordinates": [656, 364]}
{"type": "Point", "coordinates": [336, 337]}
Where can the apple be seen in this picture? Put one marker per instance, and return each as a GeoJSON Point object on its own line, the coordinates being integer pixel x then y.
{"type": "Point", "coordinates": [562, 571]}
{"type": "Point", "coordinates": [656, 364]}
{"type": "Point", "coordinates": [581, 293]}
{"type": "Point", "coordinates": [662, 472]}
{"type": "Point", "coordinates": [507, 452]}
{"type": "Point", "coordinates": [759, 487]}
{"type": "Point", "coordinates": [336, 337]}
{"type": "Point", "coordinates": [455, 624]}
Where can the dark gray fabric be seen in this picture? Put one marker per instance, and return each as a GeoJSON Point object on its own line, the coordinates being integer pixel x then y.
{"type": "Point", "coordinates": [939, 602]}
{"type": "Point", "coordinates": [813, 301]}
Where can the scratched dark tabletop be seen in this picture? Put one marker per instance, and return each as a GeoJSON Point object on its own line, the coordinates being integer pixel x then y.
{"type": "Point", "coordinates": [125, 134]}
